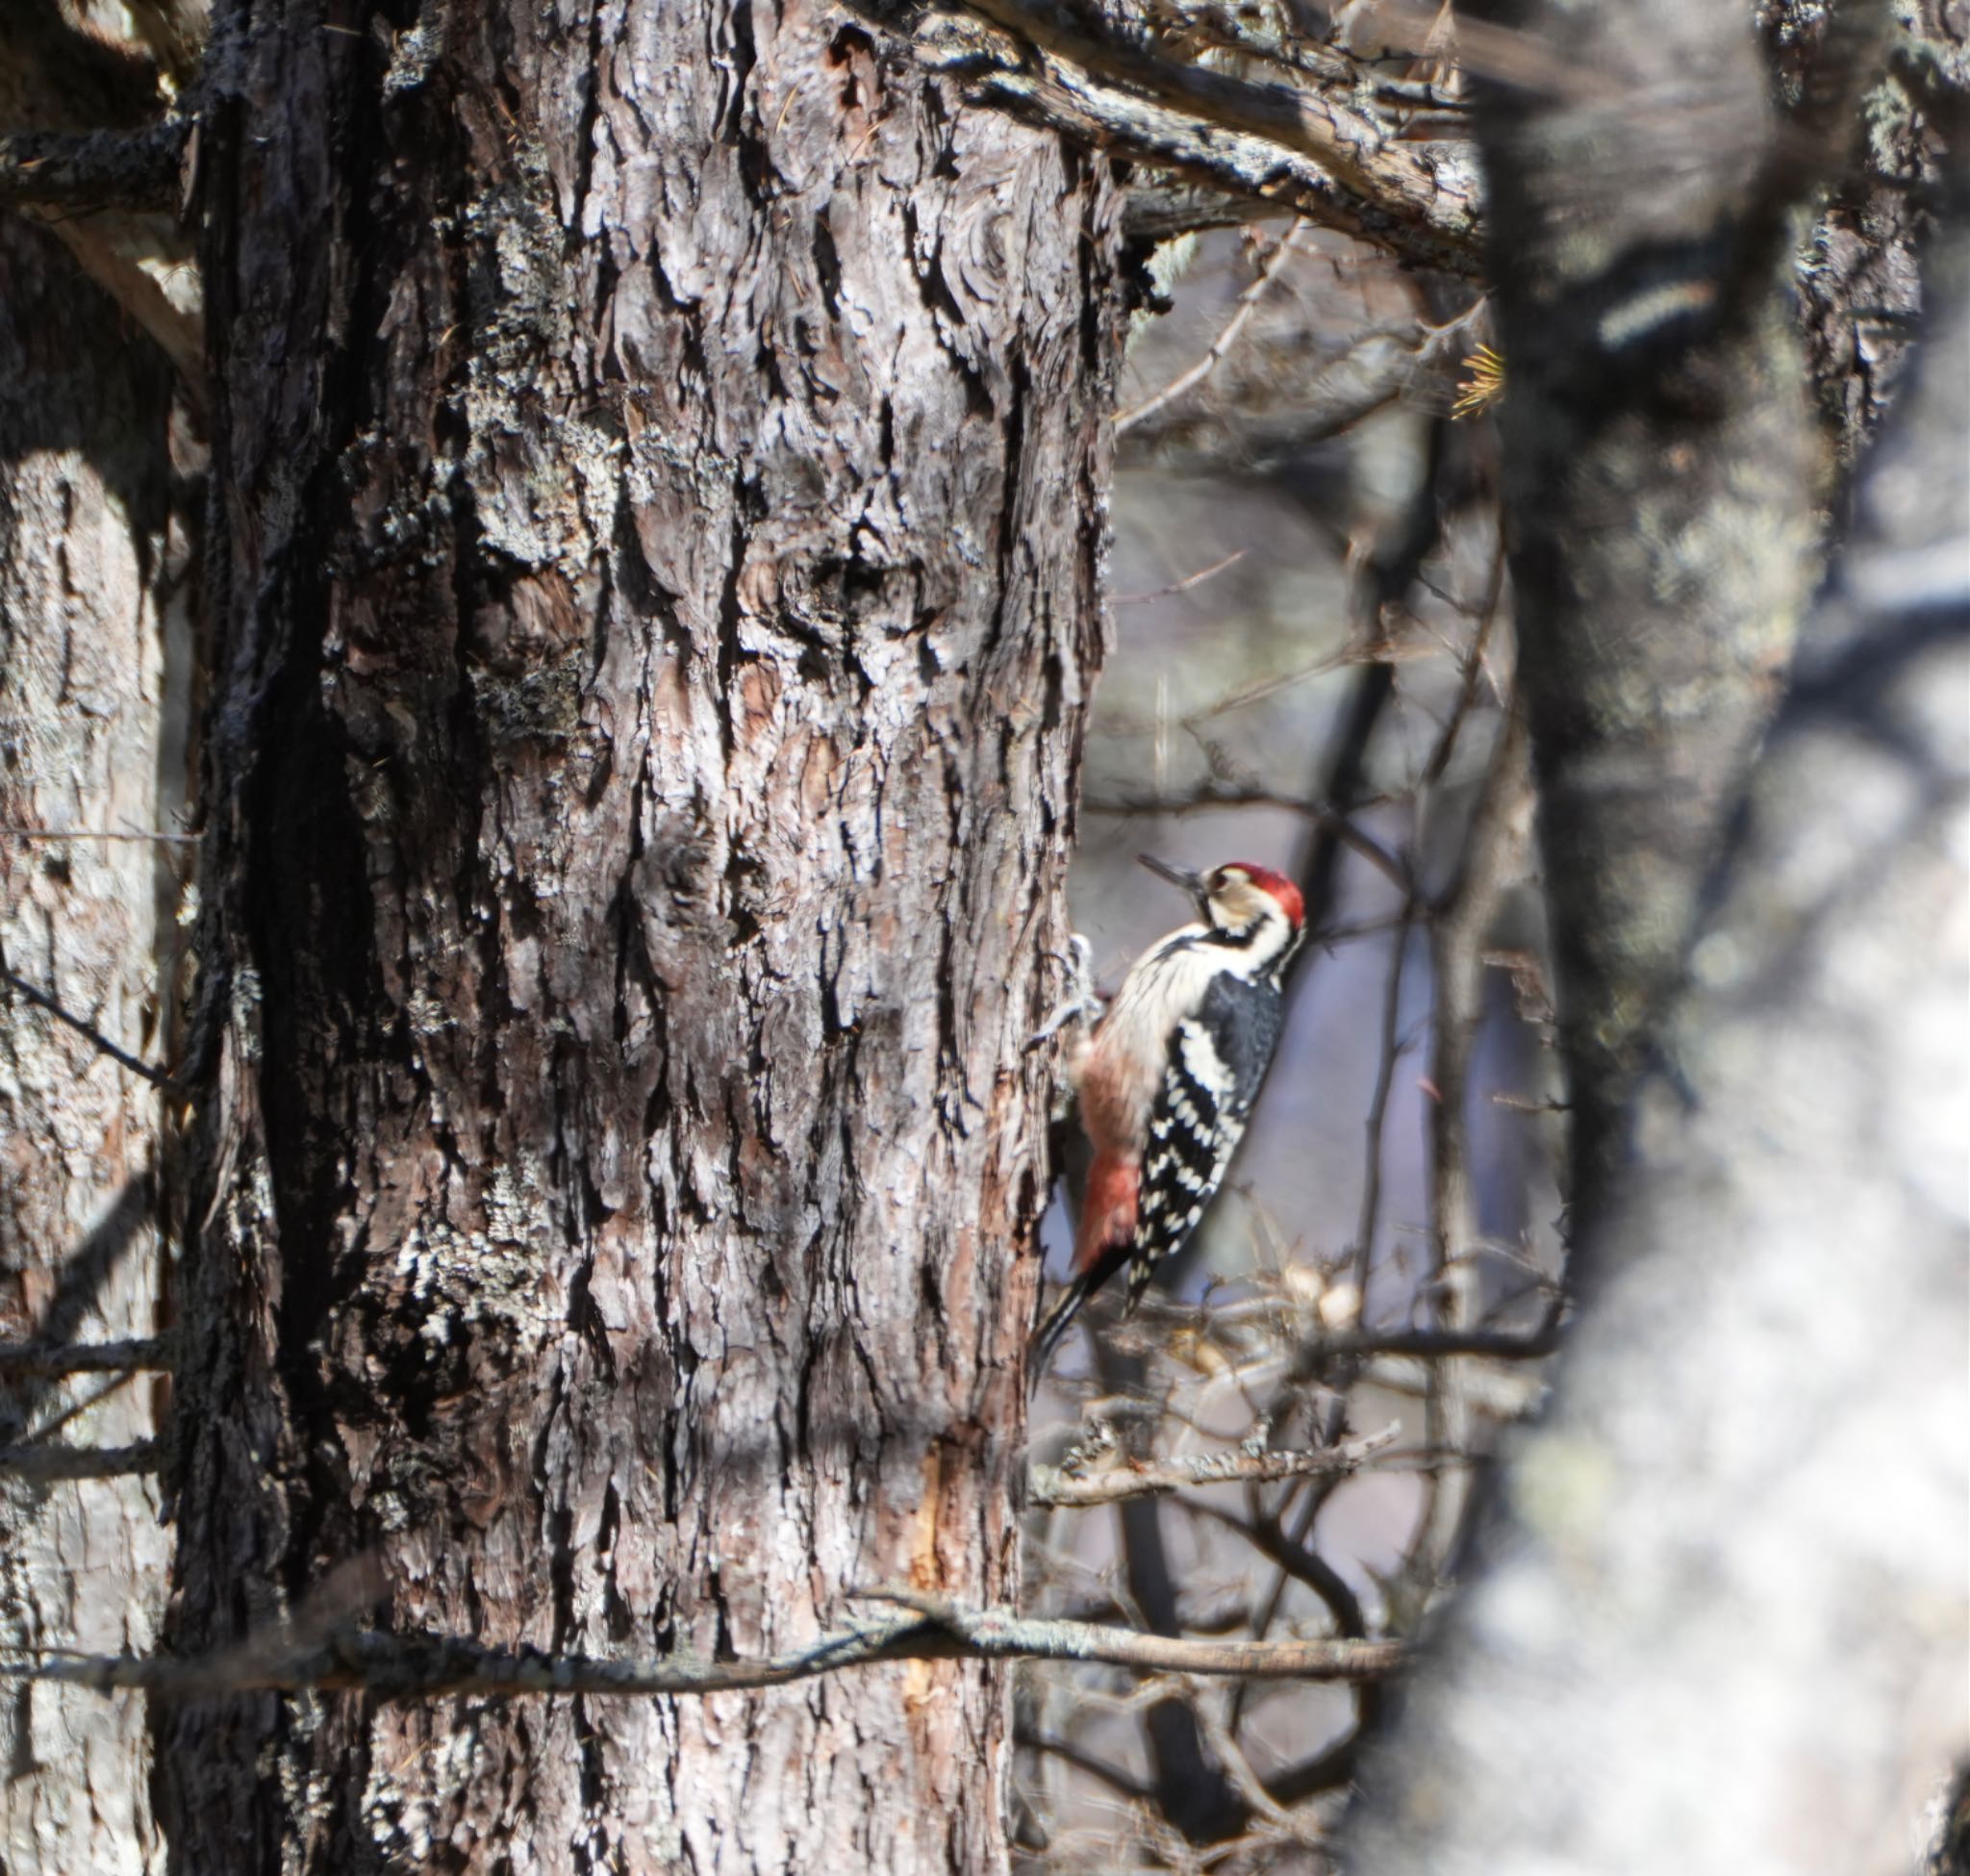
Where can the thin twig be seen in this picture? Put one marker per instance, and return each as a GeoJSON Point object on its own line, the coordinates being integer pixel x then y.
{"type": "Point", "coordinates": [40, 999]}
{"type": "Point", "coordinates": [1185, 584]}
{"type": "Point", "coordinates": [1241, 315]}
{"type": "Point", "coordinates": [1050, 1485]}
{"type": "Point", "coordinates": [1264, 1532]}
{"type": "Point", "coordinates": [1456, 937]}
{"type": "Point", "coordinates": [1261, 688]}
{"type": "Point", "coordinates": [1245, 1782]}
{"type": "Point", "coordinates": [153, 834]}
{"type": "Point", "coordinates": [1379, 1103]}
{"type": "Point", "coordinates": [422, 1666]}
{"type": "Point", "coordinates": [1498, 1344]}
{"type": "Point", "coordinates": [1473, 664]}
{"type": "Point", "coordinates": [1070, 1754]}
{"type": "Point", "coordinates": [1215, 793]}
{"type": "Point", "coordinates": [80, 1402]}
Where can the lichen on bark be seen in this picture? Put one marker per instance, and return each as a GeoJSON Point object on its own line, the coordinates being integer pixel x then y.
{"type": "Point", "coordinates": [660, 596]}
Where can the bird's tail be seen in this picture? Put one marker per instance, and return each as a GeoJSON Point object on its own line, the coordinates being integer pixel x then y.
{"type": "Point", "coordinates": [1054, 1324]}
{"type": "Point", "coordinates": [1067, 1305]}
{"type": "Point", "coordinates": [1102, 1247]}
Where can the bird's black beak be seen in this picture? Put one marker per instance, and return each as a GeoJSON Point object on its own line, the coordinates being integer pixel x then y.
{"type": "Point", "coordinates": [1182, 878]}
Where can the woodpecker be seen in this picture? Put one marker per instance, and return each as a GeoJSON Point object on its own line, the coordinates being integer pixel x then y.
{"type": "Point", "coordinates": [1168, 1075]}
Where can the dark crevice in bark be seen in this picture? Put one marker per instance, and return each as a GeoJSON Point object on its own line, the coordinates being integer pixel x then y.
{"type": "Point", "coordinates": [685, 1197]}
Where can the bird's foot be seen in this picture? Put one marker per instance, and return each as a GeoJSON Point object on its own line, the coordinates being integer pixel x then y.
{"type": "Point", "coordinates": [1081, 1002]}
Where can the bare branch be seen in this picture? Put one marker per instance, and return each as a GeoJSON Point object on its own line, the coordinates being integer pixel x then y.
{"type": "Point", "coordinates": [1220, 130]}
{"type": "Point", "coordinates": [1247, 304]}
{"type": "Point", "coordinates": [1070, 1754]}
{"type": "Point", "coordinates": [428, 1666]}
{"type": "Point", "coordinates": [52, 1464]}
{"type": "Point", "coordinates": [1369, 180]}
{"type": "Point", "coordinates": [41, 1360]}
{"type": "Point", "coordinates": [80, 170]}
{"type": "Point", "coordinates": [1218, 792]}
{"type": "Point", "coordinates": [1245, 1780]}
{"type": "Point", "coordinates": [1189, 582]}
{"type": "Point", "coordinates": [997, 1635]}
{"type": "Point", "coordinates": [1268, 406]}
{"type": "Point", "coordinates": [1499, 1344]}
{"type": "Point", "coordinates": [99, 833]}
{"type": "Point", "coordinates": [40, 999]}
{"type": "Point", "coordinates": [1456, 937]}
{"type": "Point", "coordinates": [1053, 1487]}
{"type": "Point", "coordinates": [1266, 1535]}
{"type": "Point", "coordinates": [1472, 666]}
{"type": "Point", "coordinates": [1392, 1047]}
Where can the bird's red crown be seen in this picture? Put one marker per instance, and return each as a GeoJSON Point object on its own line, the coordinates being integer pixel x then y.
{"type": "Point", "coordinates": [1282, 889]}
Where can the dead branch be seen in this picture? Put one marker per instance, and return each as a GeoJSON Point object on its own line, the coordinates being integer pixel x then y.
{"type": "Point", "coordinates": [1219, 131]}
{"type": "Point", "coordinates": [1052, 1485]}
{"type": "Point", "coordinates": [1456, 937]}
{"type": "Point", "coordinates": [1369, 178]}
{"type": "Point", "coordinates": [153, 834]}
{"type": "Point", "coordinates": [80, 170]}
{"type": "Point", "coordinates": [46, 1360]}
{"type": "Point", "coordinates": [40, 999]}
{"type": "Point", "coordinates": [425, 1667]}
{"type": "Point", "coordinates": [1247, 304]}
{"type": "Point", "coordinates": [54, 1464]}
{"type": "Point", "coordinates": [1499, 1344]}
{"type": "Point", "coordinates": [1187, 584]}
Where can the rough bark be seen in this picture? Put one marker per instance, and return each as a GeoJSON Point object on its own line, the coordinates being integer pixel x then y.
{"type": "Point", "coordinates": [663, 451]}
{"type": "Point", "coordinates": [90, 591]}
{"type": "Point", "coordinates": [1858, 270]}
{"type": "Point", "coordinates": [1753, 1479]}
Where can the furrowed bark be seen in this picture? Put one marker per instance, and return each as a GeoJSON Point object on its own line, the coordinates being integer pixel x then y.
{"type": "Point", "coordinates": [663, 452]}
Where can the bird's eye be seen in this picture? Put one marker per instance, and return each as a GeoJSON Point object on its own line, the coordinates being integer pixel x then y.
{"type": "Point", "coordinates": [1220, 877]}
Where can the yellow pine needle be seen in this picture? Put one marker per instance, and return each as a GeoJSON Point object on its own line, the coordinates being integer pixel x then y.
{"type": "Point", "coordinates": [1483, 385]}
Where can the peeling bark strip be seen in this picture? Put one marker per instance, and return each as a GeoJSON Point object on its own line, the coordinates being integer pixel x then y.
{"type": "Point", "coordinates": [653, 636]}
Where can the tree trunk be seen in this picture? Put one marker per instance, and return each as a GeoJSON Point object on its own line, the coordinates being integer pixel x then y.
{"type": "Point", "coordinates": [1757, 1420]}
{"type": "Point", "coordinates": [1659, 472]}
{"type": "Point", "coordinates": [91, 578]}
{"type": "Point", "coordinates": [662, 453]}
{"type": "Point", "coordinates": [1752, 1478]}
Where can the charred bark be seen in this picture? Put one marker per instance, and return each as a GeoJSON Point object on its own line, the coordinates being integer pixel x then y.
{"type": "Point", "coordinates": [662, 453]}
